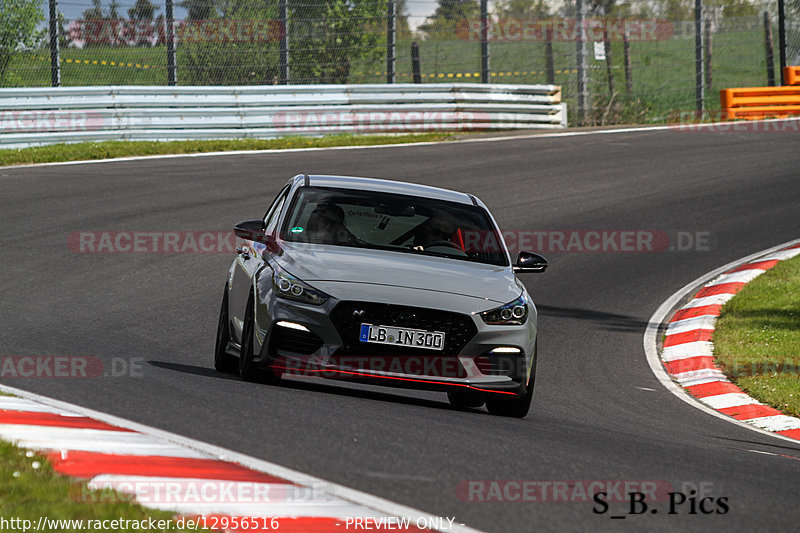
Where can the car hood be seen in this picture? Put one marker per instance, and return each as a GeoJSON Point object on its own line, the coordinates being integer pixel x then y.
{"type": "Point", "coordinates": [340, 264]}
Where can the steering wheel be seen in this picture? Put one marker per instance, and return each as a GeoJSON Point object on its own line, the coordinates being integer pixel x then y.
{"type": "Point", "coordinates": [443, 243]}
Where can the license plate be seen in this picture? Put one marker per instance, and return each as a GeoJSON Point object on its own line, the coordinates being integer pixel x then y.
{"type": "Point", "coordinates": [412, 338]}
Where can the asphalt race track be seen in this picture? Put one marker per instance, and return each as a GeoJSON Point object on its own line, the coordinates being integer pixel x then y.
{"type": "Point", "coordinates": [598, 414]}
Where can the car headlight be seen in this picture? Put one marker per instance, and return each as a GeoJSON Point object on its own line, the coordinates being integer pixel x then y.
{"type": "Point", "coordinates": [513, 313]}
{"type": "Point", "coordinates": [291, 288]}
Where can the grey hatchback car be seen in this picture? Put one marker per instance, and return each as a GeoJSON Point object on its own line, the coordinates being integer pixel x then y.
{"type": "Point", "coordinates": [381, 282]}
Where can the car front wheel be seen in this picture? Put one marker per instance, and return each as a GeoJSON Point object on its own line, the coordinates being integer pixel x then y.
{"type": "Point", "coordinates": [248, 370]}
{"type": "Point", "coordinates": [223, 361]}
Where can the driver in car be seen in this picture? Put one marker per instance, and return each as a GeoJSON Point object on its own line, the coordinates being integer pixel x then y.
{"type": "Point", "coordinates": [440, 229]}
{"type": "Point", "coordinates": [326, 225]}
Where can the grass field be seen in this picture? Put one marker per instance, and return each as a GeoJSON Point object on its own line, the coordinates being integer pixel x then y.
{"type": "Point", "coordinates": [757, 337]}
{"type": "Point", "coordinates": [113, 149]}
{"type": "Point", "coordinates": [662, 71]}
{"type": "Point", "coordinates": [30, 490]}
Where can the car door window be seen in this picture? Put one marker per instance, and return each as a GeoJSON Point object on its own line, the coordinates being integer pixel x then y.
{"type": "Point", "coordinates": [274, 212]}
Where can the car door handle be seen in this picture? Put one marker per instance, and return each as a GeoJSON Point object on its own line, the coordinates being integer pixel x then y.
{"type": "Point", "coordinates": [244, 253]}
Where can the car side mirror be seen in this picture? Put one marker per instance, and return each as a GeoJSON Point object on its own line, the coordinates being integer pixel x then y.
{"type": "Point", "coordinates": [253, 230]}
{"type": "Point", "coordinates": [529, 262]}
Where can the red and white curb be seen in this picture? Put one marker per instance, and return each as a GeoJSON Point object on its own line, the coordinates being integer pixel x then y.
{"type": "Point", "coordinates": [687, 354]}
{"type": "Point", "coordinates": [164, 471]}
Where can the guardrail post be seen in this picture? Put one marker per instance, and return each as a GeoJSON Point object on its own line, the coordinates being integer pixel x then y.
{"type": "Point", "coordinates": [626, 50]}
{"type": "Point", "coordinates": [391, 35]}
{"type": "Point", "coordinates": [609, 71]}
{"type": "Point", "coordinates": [484, 41]}
{"type": "Point", "coordinates": [283, 75]}
{"type": "Point", "coordinates": [172, 67]}
{"type": "Point", "coordinates": [770, 60]}
{"type": "Point", "coordinates": [709, 65]}
{"type": "Point", "coordinates": [55, 59]}
{"type": "Point", "coordinates": [583, 81]}
{"type": "Point", "coordinates": [416, 72]}
{"type": "Point", "coordinates": [699, 78]}
{"type": "Point", "coordinates": [549, 64]}
{"type": "Point", "coordinates": [782, 37]}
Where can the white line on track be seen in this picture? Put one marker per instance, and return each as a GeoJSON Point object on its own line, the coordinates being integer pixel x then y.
{"type": "Point", "coordinates": [663, 312]}
{"type": "Point", "coordinates": [680, 128]}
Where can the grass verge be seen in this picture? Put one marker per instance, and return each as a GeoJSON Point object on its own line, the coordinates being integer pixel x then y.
{"type": "Point", "coordinates": [30, 489]}
{"type": "Point", "coordinates": [757, 337]}
{"type": "Point", "coordinates": [111, 149]}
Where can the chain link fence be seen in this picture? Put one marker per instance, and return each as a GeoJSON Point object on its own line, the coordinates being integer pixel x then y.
{"type": "Point", "coordinates": [639, 61]}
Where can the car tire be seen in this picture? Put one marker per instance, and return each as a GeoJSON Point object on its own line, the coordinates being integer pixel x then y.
{"type": "Point", "coordinates": [248, 370]}
{"type": "Point", "coordinates": [517, 406]}
{"type": "Point", "coordinates": [223, 361]}
{"type": "Point", "coordinates": [465, 399]}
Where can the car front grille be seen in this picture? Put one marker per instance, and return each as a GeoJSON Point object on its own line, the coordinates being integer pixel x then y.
{"type": "Point", "coordinates": [348, 316]}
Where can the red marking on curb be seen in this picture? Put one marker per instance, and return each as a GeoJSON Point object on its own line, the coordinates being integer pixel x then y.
{"type": "Point", "coordinates": [688, 336]}
{"type": "Point", "coordinates": [759, 265]}
{"type": "Point", "coordinates": [28, 418]}
{"type": "Point", "coordinates": [746, 412]}
{"type": "Point", "coordinates": [722, 288]}
{"type": "Point", "coordinates": [791, 433]}
{"type": "Point", "coordinates": [694, 312]}
{"type": "Point", "coordinates": [712, 389]}
{"type": "Point", "coordinates": [718, 387]}
{"type": "Point", "coordinates": [87, 465]}
{"type": "Point", "coordinates": [700, 362]}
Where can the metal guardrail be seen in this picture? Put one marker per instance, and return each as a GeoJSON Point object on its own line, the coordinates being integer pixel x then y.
{"type": "Point", "coordinates": [37, 116]}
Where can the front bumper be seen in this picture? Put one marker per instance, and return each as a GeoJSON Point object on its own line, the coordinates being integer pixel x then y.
{"type": "Point", "coordinates": [322, 341]}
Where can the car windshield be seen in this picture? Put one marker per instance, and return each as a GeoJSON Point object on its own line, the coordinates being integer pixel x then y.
{"type": "Point", "coordinates": [401, 223]}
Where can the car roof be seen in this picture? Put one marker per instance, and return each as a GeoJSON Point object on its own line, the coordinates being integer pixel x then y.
{"type": "Point", "coordinates": [389, 186]}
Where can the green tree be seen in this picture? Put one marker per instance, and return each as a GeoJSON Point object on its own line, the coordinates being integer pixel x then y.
{"type": "Point", "coordinates": [449, 15]}
{"type": "Point", "coordinates": [523, 9]}
{"type": "Point", "coordinates": [678, 9]}
{"type": "Point", "coordinates": [142, 29]}
{"type": "Point", "coordinates": [113, 14]}
{"type": "Point", "coordinates": [198, 9]}
{"type": "Point", "coordinates": [210, 58]}
{"type": "Point", "coordinates": [738, 8]}
{"type": "Point", "coordinates": [328, 36]}
{"type": "Point", "coordinates": [142, 10]}
{"type": "Point", "coordinates": [19, 20]}
{"type": "Point", "coordinates": [401, 12]}
{"type": "Point", "coordinates": [95, 12]}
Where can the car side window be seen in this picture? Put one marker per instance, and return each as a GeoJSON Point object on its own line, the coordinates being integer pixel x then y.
{"type": "Point", "coordinates": [271, 220]}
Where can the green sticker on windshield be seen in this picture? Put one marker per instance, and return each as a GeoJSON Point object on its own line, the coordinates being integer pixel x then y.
{"type": "Point", "coordinates": [297, 229]}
